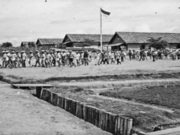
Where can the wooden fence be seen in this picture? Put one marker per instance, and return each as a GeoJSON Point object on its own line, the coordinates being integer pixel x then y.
{"type": "Point", "coordinates": [113, 123]}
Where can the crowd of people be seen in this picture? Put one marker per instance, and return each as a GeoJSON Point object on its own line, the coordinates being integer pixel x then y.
{"type": "Point", "coordinates": [45, 58]}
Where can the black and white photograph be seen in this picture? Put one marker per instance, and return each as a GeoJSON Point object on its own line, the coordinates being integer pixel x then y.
{"type": "Point", "coordinates": [89, 67]}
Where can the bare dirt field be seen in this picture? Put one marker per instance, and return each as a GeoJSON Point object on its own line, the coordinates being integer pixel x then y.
{"type": "Point", "coordinates": [127, 70]}
{"type": "Point", "coordinates": [140, 83]}
{"type": "Point", "coordinates": [24, 114]}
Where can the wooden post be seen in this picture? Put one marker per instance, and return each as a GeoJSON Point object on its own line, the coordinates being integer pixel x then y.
{"type": "Point", "coordinates": [84, 112]}
{"type": "Point", "coordinates": [59, 101]}
{"type": "Point", "coordinates": [42, 94]}
{"type": "Point", "coordinates": [38, 91]}
{"type": "Point", "coordinates": [74, 107]}
{"type": "Point", "coordinates": [54, 97]}
{"type": "Point", "coordinates": [81, 106]}
{"type": "Point", "coordinates": [113, 122]}
{"type": "Point", "coordinates": [63, 103]}
{"type": "Point", "coordinates": [129, 126]}
{"type": "Point", "coordinates": [45, 95]}
{"type": "Point", "coordinates": [77, 109]}
{"type": "Point", "coordinates": [100, 118]}
{"type": "Point", "coordinates": [88, 114]}
{"type": "Point", "coordinates": [97, 117]}
{"type": "Point", "coordinates": [104, 125]}
{"type": "Point", "coordinates": [122, 126]}
{"type": "Point", "coordinates": [48, 96]}
{"type": "Point", "coordinates": [70, 105]}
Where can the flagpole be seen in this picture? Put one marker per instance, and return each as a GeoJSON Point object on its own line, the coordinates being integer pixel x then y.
{"type": "Point", "coordinates": [101, 30]}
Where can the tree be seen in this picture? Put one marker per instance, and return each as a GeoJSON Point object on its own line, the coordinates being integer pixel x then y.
{"type": "Point", "coordinates": [6, 44]}
{"type": "Point", "coordinates": [88, 42]}
{"type": "Point", "coordinates": [31, 44]}
{"type": "Point", "coordinates": [157, 43]}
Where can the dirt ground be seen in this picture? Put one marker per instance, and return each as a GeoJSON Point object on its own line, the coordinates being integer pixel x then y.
{"type": "Point", "coordinates": [91, 81]}
{"type": "Point", "coordinates": [127, 67]}
{"type": "Point", "coordinates": [23, 114]}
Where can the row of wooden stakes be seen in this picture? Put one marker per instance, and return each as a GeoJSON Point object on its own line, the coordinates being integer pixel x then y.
{"type": "Point", "coordinates": [113, 123]}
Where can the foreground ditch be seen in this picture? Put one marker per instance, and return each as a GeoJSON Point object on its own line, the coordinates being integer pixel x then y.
{"type": "Point", "coordinates": [143, 118]}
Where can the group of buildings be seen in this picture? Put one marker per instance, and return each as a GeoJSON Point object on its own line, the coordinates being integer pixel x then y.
{"type": "Point", "coordinates": [120, 40]}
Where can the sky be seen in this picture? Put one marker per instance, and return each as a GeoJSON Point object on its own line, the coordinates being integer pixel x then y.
{"type": "Point", "coordinates": [28, 20]}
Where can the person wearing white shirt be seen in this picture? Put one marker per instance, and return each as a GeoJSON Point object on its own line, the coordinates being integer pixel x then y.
{"type": "Point", "coordinates": [98, 58]}
{"type": "Point", "coordinates": [43, 56]}
{"type": "Point", "coordinates": [13, 59]}
{"type": "Point", "coordinates": [4, 59]}
{"type": "Point", "coordinates": [18, 59]}
{"type": "Point", "coordinates": [30, 57]}
{"type": "Point", "coordinates": [78, 59]}
{"type": "Point", "coordinates": [24, 56]}
{"type": "Point", "coordinates": [59, 58]}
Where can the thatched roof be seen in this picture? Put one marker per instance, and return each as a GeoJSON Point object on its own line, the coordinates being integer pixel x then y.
{"type": "Point", "coordinates": [142, 37]}
{"type": "Point", "coordinates": [79, 38]}
{"type": "Point", "coordinates": [49, 41]}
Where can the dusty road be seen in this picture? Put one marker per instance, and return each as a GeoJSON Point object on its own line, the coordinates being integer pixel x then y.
{"type": "Point", "coordinates": [24, 114]}
{"type": "Point", "coordinates": [127, 67]}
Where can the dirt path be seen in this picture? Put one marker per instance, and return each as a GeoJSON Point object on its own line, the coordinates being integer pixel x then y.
{"type": "Point", "coordinates": [24, 114]}
{"type": "Point", "coordinates": [135, 103]}
{"type": "Point", "coordinates": [105, 83]}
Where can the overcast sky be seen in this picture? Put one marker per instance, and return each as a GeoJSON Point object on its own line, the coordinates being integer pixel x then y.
{"type": "Point", "coordinates": [27, 20]}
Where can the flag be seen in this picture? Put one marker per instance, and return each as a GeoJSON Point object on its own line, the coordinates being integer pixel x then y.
{"type": "Point", "coordinates": [105, 12]}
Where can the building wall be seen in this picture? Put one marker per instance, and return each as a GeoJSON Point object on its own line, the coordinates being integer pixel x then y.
{"type": "Point", "coordinates": [47, 45]}
{"type": "Point", "coordinates": [134, 46]}
{"type": "Point", "coordinates": [172, 46]}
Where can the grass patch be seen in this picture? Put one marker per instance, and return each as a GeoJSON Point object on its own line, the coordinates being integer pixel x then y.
{"type": "Point", "coordinates": [168, 96]}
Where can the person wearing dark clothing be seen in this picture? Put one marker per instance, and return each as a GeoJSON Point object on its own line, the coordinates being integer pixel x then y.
{"type": "Point", "coordinates": [106, 58]}
{"type": "Point", "coordinates": [102, 58]}
{"type": "Point", "coordinates": [141, 55]}
{"type": "Point", "coordinates": [122, 56]}
{"type": "Point", "coordinates": [130, 54]}
{"type": "Point", "coordinates": [86, 55]}
{"type": "Point", "coordinates": [117, 56]}
{"type": "Point", "coordinates": [154, 55]}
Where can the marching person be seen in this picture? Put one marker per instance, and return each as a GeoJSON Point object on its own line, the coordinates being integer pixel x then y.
{"type": "Point", "coordinates": [18, 59]}
{"type": "Point", "coordinates": [122, 55]}
{"type": "Point", "coordinates": [43, 56]}
{"type": "Point", "coordinates": [37, 57]}
{"type": "Point", "coordinates": [13, 59]}
{"type": "Point", "coordinates": [4, 59]}
{"type": "Point", "coordinates": [154, 54]}
{"type": "Point", "coordinates": [106, 58]}
{"type": "Point", "coordinates": [98, 59]}
{"type": "Point", "coordinates": [48, 59]}
{"type": "Point", "coordinates": [77, 58]}
{"type": "Point", "coordinates": [23, 57]}
{"type": "Point", "coordinates": [71, 59]}
{"type": "Point", "coordinates": [130, 54]}
{"type": "Point", "coordinates": [9, 63]}
{"type": "Point", "coordinates": [86, 55]}
{"type": "Point", "coordinates": [58, 59]}
{"type": "Point", "coordinates": [30, 57]}
{"type": "Point", "coordinates": [117, 56]}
